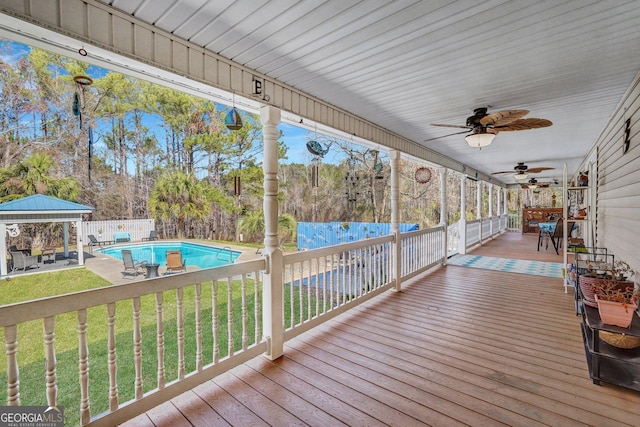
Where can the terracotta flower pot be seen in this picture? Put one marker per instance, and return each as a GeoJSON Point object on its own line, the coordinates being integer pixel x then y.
{"type": "Point", "coordinates": [588, 296]}
{"type": "Point", "coordinates": [616, 313]}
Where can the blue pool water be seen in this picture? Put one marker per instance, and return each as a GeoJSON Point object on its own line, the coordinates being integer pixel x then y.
{"type": "Point", "coordinates": [193, 254]}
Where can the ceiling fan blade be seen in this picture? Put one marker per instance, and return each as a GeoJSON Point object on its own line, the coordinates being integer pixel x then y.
{"type": "Point", "coordinates": [524, 124]}
{"type": "Point", "coordinates": [538, 170]}
{"type": "Point", "coordinates": [498, 173]}
{"type": "Point", "coordinates": [451, 126]}
{"type": "Point", "coordinates": [502, 118]}
{"type": "Point", "coordinates": [444, 136]}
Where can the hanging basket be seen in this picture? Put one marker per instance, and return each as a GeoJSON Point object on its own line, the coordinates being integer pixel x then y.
{"type": "Point", "coordinates": [422, 175]}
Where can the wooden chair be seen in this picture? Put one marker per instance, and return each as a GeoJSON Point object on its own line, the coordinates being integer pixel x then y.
{"type": "Point", "coordinates": [130, 266]}
{"type": "Point", "coordinates": [174, 262]}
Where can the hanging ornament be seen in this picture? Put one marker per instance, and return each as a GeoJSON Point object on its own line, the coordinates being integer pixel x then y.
{"type": "Point", "coordinates": [76, 104]}
{"type": "Point", "coordinates": [315, 148]}
{"type": "Point", "coordinates": [422, 175]}
{"type": "Point", "coordinates": [233, 121]}
{"type": "Point", "coordinates": [378, 170]}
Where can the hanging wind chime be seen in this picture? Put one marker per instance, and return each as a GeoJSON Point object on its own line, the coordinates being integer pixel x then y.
{"type": "Point", "coordinates": [78, 103]}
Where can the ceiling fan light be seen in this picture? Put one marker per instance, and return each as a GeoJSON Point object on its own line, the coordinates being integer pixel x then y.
{"type": "Point", "coordinates": [521, 175]}
{"type": "Point", "coordinates": [479, 140]}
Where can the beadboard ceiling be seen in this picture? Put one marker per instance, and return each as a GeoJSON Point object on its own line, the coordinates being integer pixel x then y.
{"type": "Point", "coordinates": [404, 64]}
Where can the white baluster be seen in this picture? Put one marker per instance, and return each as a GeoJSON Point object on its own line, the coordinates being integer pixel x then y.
{"type": "Point", "coordinates": [198, 328]}
{"type": "Point", "coordinates": [13, 374]}
{"type": "Point", "coordinates": [50, 360]}
{"type": "Point", "coordinates": [214, 321]}
{"type": "Point", "coordinates": [307, 274]}
{"type": "Point", "coordinates": [180, 326]}
{"type": "Point", "coordinates": [292, 312]}
{"type": "Point", "coordinates": [137, 348]}
{"type": "Point", "coordinates": [160, 338]}
{"type": "Point", "coordinates": [113, 367]}
{"type": "Point", "coordinates": [244, 311]}
{"type": "Point", "coordinates": [257, 303]}
{"type": "Point", "coordinates": [83, 367]}
{"type": "Point", "coordinates": [300, 292]}
{"type": "Point", "coordinates": [230, 342]}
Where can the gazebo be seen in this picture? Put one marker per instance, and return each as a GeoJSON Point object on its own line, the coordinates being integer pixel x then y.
{"type": "Point", "coordinates": [40, 209]}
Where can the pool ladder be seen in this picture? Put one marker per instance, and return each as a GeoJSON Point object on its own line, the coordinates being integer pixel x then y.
{"type": "Point", "coordinates": [230, 254]}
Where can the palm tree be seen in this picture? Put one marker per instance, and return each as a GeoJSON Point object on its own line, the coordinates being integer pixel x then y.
{"type": "Point", "coordinates": [179, 197]}
{"type": "Point", "coordinates": [252, 225]}
{"type": "Point", "coordinates": [31, 176]}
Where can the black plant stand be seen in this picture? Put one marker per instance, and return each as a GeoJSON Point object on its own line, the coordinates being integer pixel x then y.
{"type": "Point", "coordinates": [607, 363]}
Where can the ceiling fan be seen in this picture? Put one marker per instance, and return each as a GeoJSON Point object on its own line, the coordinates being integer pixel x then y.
{"type": "Point", "coordinates": [521, 171]}
{"type": "Point", "coordinates": [484, 127]}
{"type": "Point", "coordinates": [533, 183]}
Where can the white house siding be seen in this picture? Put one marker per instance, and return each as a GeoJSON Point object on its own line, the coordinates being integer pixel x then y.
{"type": "Point", "coordinates": [618, 182]}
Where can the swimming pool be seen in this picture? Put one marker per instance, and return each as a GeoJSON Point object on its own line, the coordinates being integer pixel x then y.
{"type": "Point", "coordinates": [193, 254]}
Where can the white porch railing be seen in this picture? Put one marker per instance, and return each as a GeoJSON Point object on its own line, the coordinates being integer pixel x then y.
{"type": "Point", "coordinates": [181, 330]}
{"type": "Point", "coordinates": [514, 222]}
{"type": "Point", "coordinates": [140, 308]}
{"type": "Point", "coordinates": [453, 239]}
{"type": "Point", "coordinates": [473, 232]}
{"type": "Point", "coordinates": [421, 250]}
{"type": "Point", "coordinates": [486, 228]}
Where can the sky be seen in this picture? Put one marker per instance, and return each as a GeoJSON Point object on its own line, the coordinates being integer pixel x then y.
{"type": "Point", "coordinates": [295, 138]}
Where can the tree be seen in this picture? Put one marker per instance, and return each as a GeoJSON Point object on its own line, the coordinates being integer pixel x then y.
{"type": "Point", "coordinates": [252, 226]}
{"type": "Point", "coordinates": [179, 197]}
{"type": "Point", "coordinates": [32, 177]}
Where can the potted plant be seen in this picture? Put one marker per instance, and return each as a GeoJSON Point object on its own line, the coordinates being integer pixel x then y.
{"type": "Point", "coordinates": [616, 304]}
{"type": "Point", "coordinates": [621, 270]}
{"type": "Point", "coordinates": [617, 273]}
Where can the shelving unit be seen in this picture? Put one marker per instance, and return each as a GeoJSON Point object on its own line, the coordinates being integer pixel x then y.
{"type": "Point", "coordinates": [607, 363]}
{"type": "Point", "coordinates": [576, 198]}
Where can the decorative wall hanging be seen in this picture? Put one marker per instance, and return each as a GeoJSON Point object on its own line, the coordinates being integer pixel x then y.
{"type": "Point", "coordinates": [422, 175]}
{"type": "Point", "coordinates": [627, 138]}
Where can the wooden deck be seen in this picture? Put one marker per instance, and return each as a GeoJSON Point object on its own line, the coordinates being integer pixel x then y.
{"type": "Point", "coordinates": [459, 346]}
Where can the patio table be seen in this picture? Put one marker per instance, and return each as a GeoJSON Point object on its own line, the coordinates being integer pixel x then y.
{"type": "Point", "coordinates": [48, 255]}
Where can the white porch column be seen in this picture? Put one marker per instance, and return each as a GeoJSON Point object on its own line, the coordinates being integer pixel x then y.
{"type": "Point", "coordinates": [79, 245]}
{"type": "Point", "coordinates": [462, 248]}
{"type": "Point", "coordinates": [504, 205]}
{"type": "Point", "coordinates": [3, 249]}
{"type": "Point", "coordinates": [394, 156]}
{"type": "Point", "coordinates": [65, 239]}
{"type": "Point", "coordinates": [272, 298]}
{"type": "Point", "coordinates": [479, 208]}
{"type": "Point", "coordinates": [443, 213]}
{"type": "Point", "coordinates": [478, 199]}
{"type": "Point", "coordinates": [490, 209]}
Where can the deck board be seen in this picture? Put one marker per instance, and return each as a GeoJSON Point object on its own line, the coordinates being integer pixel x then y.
{"type": "Point", "coordinates": [458, 346]}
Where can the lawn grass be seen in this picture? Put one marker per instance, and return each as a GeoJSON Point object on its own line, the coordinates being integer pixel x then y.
{"type": "Point", "coordinates": [31, 347]}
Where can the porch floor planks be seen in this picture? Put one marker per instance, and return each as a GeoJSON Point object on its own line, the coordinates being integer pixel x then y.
{"type": "Point", "coordinates": [507, 351]}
